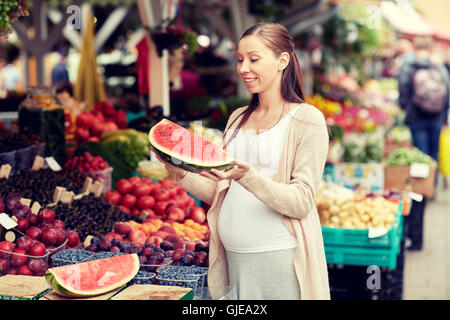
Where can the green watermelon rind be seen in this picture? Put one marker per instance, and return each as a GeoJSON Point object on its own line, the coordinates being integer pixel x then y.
{"type": "Point", "coordinates": [191, 166]}
{"type": "Point", "coordinates": [59, 287]}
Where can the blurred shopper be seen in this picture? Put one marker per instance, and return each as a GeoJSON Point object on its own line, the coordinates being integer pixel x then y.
{"type": "Point", "coordinates": [266, 238]}
{"type": "Point", "coordinates": [424, 88]}
{"type": "Point", "coordinates": [59, 72]}
{"type": "Point", "coordinates": [11, 78]}
{"type": "Point", "coordinates": [64, 92]}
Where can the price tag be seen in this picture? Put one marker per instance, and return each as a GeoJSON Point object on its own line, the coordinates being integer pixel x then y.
{"type": "Point", "coordinates": [415, 196]}
{"type": "Point", "coordinates": [25, 202]}
{"type": "Point", "coordinates": [7, 222]}
{"type": "Point", "coordinates": [419, 170]}
{"type": "Point", "coordinates": [5, 171]}
{"type": "Point", "coordinates": [53, 164]}
{"type": "Point", "coordinates": [38, 163]}
{"type": "Point", "coordinates": [35, 208]}
{"type": "Point", "coordinates": [377, 232]}
{"type": "Point", "coordinates": [87, 241]}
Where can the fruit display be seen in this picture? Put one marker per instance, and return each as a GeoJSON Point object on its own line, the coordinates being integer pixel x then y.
{"type": "Point", "coordinates": [86, 163]}
{"type": "Point", "coordinates": [90, 216]}
{"type": "Point", "coordinates": [40, 185]}
{"type": "Point", "coordinates": [340, 207]}
{"type": "Point", "coordinates": [94, 277]}
{"type": "Point", "coordinates": [186, 149]}
{"type": "Point", "coordinates": [142, 196]}
{"type": "Point", "coordinates": [407, 156]}
{"type": "Point", "coordinates": [188, 229]}
{"type": "Point", "coordinates": [42, 236]}
{"type": "Point", "coordinates": [104, 118]}
{"type": "Point", "coordinates": [153, 253]}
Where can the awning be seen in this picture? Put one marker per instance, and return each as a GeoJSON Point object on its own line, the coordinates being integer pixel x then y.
{"type": "Point", "coordinates": [406, 20]}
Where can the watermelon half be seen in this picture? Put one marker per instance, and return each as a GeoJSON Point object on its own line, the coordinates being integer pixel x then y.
{"type": "Point", "coordinates": [186, 149]}
{"type": "Point", "coordinates": [93, 278]}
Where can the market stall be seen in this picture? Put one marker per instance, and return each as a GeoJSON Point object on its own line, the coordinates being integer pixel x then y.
{"type": "Point", "coordinates": [80, 192]}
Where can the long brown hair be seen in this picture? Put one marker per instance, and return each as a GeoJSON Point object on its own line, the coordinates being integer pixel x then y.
{"type": "Point", "coordinates": [277, 38]}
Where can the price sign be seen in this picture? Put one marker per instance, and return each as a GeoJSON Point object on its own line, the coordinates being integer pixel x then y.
{"type": "Point", "coordinates": [53, 164]}
{"type": "Point", "coordinates": [419, 170]}
{"type": "Point", "coordinates": [7, 222]}
{"type": "Point", "coordinates": [377, 232]}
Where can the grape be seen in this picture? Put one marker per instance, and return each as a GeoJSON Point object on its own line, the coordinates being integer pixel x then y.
{"type": "Point", "coordinates": [11, 10]}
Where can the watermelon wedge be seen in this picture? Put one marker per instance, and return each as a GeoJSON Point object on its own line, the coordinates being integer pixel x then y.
{"type": "Point", "coordinates": [93, 278]}
{"type": "Point", "coordinates": [186, 149]}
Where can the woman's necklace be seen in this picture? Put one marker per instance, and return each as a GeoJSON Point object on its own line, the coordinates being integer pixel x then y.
{"type": "Point", "coordinates": [281, 115]}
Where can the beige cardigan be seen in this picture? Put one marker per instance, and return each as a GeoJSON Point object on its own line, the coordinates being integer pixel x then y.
{"type": "Point", "coordinates": [292, 193]}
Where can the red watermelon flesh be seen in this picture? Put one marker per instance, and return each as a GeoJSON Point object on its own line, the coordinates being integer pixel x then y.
{"type": "Point", "coordinates": [194, 151]}
{"type": "Point", "coordinates": [93, 277]}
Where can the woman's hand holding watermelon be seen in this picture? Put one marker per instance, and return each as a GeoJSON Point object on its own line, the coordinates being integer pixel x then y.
{"type": "Point", "coordinates": [180, 173]}
{"type": "Point", "coordinates": [237, 172]}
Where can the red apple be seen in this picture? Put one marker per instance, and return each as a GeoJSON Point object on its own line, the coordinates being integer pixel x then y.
{"type": "Point", "coordinates": [37, 249]}
{"type": "Point", "coordinates": [24, 243]}
{"type": "Point", "coordinates": [198, 214]}
{"type": "Point", "coordinates": [58, 224]}
{"type": "Point", "coordinates": [34, 233]}
{"type": "Point", "coordinates": [137, 236]}
{"type": "Point", "coordinates": [47, 215]}
{"type": "Point", "coordinates": [24, 270]}
{"type": "Point", "coordinates": [49, 236]}
{"type": "Point", "coordinates": [73, 239]}
{"type": "Point", "coordinates": [19, 256]}
{"type": "Point", "coordinates": [22, 224]}
{"type": "Point", "coordinates": [5, 249]}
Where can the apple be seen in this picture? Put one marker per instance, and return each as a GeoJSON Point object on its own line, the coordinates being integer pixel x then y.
{"type": "Point", "coordinates": [58, 224]}
{"type": "Point", "coordinates": [198, 214]}
{"type": "Point", "coordinates": [4, 266]}
{"type": "Point", "coordinates": [37, 249]}
{"type": "Point", "coordinates": [24, 243]}
{"type": "Point", "coordinates": [137, 236]}
{"type": "Point", "coordinates": [47, 215]}
{"type": "Point", "coordinates": [22, 224]}
{"type": "Point", "coordinates": [34, 232]}
{"type": "Point", "coordinates": [24, 270]}
{"type": "Point", "coordinates": [176, 214]}
{"type": "Point", "coordinates": [73, 239]}
{"type": "Point", "coordinates": [5, 249]}
{"type": "Point", "coordinates": [49, 236]}
{"type": "Point", "coordinates": [19, 256]}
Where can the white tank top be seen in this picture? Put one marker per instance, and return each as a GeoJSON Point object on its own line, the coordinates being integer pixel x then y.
{"type": "Point", "coordinates": [246, 224]}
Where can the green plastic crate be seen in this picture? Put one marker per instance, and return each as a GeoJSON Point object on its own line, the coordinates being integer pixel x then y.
{"type": "Point", "coordinates": [357, 237]}
{"type": "Point", "coordinates": [363, 256]}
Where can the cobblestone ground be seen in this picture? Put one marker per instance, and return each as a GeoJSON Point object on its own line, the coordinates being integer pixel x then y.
{"type": "Point", "coordinates": [427, 272]}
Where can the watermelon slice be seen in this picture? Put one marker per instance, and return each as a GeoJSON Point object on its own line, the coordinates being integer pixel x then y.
{"type": "Point", "coordinates": [186, 149]}
{"type": "Point", "coordinates": [93, 278]}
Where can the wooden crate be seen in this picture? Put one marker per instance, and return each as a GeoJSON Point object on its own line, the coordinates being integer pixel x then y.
{"type": "Point", "coordinates": [399, 177]}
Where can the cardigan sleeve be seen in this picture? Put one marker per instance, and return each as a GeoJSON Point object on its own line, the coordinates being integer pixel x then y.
{"type": "Point", "coordinates": [295, 199]}
{"type": "Point", "coordinates": [200, 187]}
